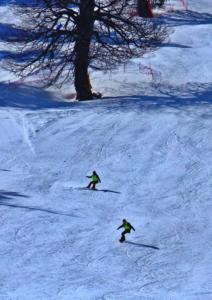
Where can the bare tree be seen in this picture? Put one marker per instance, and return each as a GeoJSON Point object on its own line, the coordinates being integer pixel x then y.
{"type": "Point", "coordinates": [69, 37]}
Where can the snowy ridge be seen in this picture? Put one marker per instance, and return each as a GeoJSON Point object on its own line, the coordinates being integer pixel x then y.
{"type": "Point", "coordinates": [150, 142]}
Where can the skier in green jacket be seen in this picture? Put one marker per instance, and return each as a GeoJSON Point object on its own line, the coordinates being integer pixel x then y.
{"type": "Point", "coordinates": [94, 180]}
{"type": "Point", "coordinates": [127, 228]}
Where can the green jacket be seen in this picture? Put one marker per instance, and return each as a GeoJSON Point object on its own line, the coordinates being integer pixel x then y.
{"type": "Point", "coordinates": [127, 226]}
{"type": "Point", "coordinates": [95, 178]}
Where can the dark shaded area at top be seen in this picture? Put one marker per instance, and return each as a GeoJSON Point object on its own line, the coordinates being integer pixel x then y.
{"type": "Point", "coordinates": [177, 18]}
{"type": "Point", "coordinates": [29, 3]}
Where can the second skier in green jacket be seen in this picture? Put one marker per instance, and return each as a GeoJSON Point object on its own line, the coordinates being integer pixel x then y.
{"type": "Point", "coordinates": [94, 180]}
{"type": "Point", "coordinates": [127, 228]}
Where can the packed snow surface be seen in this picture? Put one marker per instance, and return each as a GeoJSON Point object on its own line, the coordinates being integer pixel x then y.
{"type": "Point", "coordinates": [150, 142]}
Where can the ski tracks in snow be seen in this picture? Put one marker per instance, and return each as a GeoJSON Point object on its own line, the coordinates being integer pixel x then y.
{"type": "Point", "coordinates": [28, 132]}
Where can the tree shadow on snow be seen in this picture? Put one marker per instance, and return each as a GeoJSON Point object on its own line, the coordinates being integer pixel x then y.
{"type": "Point", "coordinates": [17, 57]}
{"type": "Point", "coordinates": [173, 45]}
{"type": "Point", "coordinates": [6, 195]}
{"type": "Point", "coordinates": [167, 96]}
{"type": "Point", "coordinates": [23, 3]}
{"type": "Point", "coordinates": [31, 208]}
{"type": "Point", "coordinates": [19, 95]}
{"type": "Point", "coordinates": [143, 245]}
{"type": "Point", "coordinates": [9, 33]}
{"type": "Point", "coordinates": [160, 96]}
{"type": "Point", "coordinates": [186, 17]}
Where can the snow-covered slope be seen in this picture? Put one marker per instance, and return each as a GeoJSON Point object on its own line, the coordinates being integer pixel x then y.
{"type": "Point", "coordinates": [152, 149]}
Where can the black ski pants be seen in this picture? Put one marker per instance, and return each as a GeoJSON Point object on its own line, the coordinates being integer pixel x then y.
{"type": "Point", "coordinates": [123, 234]}
{"type": "Point", "coordinates": [92, 183]}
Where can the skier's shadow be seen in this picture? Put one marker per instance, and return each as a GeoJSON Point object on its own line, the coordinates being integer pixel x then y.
{"type": "Point", "coordinates": [108, 191]}
{"type": "Point", "coordinates": [143, 245]}
{"type": "Point", "coordinates": [97, 190]}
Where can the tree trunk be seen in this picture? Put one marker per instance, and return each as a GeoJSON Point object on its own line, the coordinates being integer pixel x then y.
{"type": "Point", "coordinates": [144, 8]}
{"type": "Point", "coordinates": [84, 34]}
